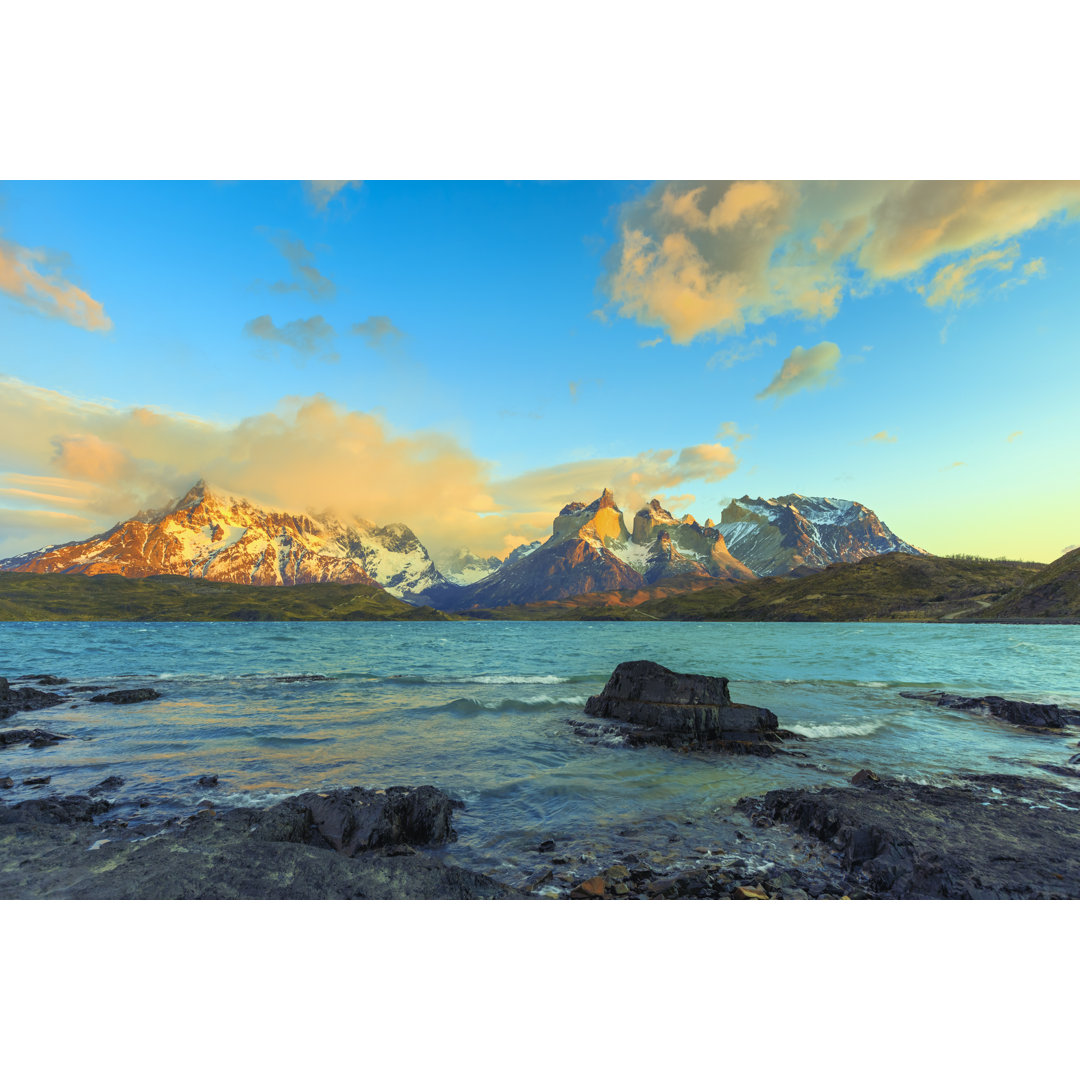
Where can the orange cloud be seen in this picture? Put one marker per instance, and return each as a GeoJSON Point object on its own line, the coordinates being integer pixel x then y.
{"type": "Point", "coordinates": [880, 437]}
{"type": "Point", "coordinates": [107, 463]}
{"type": "Point", "coordinates": [45, 290]}
{"type": "Point", "coordinates": [695, 258]}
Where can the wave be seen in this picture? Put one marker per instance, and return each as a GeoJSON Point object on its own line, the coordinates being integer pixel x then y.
{"type": "Point", "coordinates": [836, 731]}
{"type": "Point", "coordinates": [470, 706]}
{"type": "Point", "coordinates": [290, 740]}
{"type": "Point", "coordinates": [486, 680]}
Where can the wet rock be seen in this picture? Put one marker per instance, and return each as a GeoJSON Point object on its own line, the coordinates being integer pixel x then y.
{"type": "Point", "coordinates": [1027, 714]}
{"type": "Point", "coordinates": [864, 777]}
{"type": "Point", "coordinates": [663, 886]}
{"type": "Point", "coordinates": [546, 845]}
{"type": "Point", "coordinates": [541, 877]}
{"type": "Point", "coordinates": [301, 678]}
{"type": "Point", "coordinates": [24, 699]}
{"type": "Point", "coordinates": [622, 889]}
{"type": "Point", "coordinates": [36, 737]}
{"type": "Point", "coordinates": [618, 872]}
{"type": "Point", "coordinates": [110, 783]}
{"type": "Point", "coordinates": [397, 850]}
{"type": "Point", "coordinates": [44, 680]}
{"type": "Point", "coordinates": [210, 780]}
{"type": "Point", "coordinates": [127, 697]}
{"type": "Point", "coordinates": [86, 689]}
{"type": "Point", "coordinates": [54, 810]}
{"type": "Point", "coordinates": [980, 836]}
{"type": "Point", "coordinates": [651, 704]}
{"type": "Point", "coordinates": [37, 781]}
{"type": "Point", "coordinates": [592, 889]}
{"type": "Point", "coordinates": [748, 892]}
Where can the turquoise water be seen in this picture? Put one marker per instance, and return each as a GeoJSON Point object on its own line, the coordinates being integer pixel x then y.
{"type": "Point", "coordinates": [480, 710]}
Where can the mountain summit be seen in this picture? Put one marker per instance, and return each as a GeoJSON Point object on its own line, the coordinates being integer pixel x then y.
{"type": "Point", "coordinates": [223, 537]}
{"type": "Point", "coordinates": [778, 536]}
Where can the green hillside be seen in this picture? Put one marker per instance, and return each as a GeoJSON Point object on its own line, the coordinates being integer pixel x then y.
{"type": "Point", "coordinates": [167, 598]}
{"type": "Point", "coordinates": [1052, 593]}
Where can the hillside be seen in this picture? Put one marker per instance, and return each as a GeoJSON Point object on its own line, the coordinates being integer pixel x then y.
{"type": "Point", "coordinates": [1052, 593]}
{"type": "Point", "coordinates": [163, 598]}
{"type": "Point", "coordinates": [892, 587]}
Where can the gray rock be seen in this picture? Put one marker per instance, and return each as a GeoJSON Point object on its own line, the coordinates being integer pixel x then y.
{"type": "Point", "coordinates": [1027, 714]}
{"type": "Point", "coordinates": [127, 697]}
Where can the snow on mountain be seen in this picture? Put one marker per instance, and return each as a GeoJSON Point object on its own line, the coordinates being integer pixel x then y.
{"type": "Point", "coordinates": [462, 567]}
{"type": "Point", "coordinates": [224, 537]}
{"type": "Point", "coordinates": [776, 536]}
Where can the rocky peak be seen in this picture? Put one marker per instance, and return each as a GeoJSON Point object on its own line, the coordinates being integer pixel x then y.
{"type": "Point", "coordinates": [600, 522]}
{"type": "Point", "coordinates": [605, 502]}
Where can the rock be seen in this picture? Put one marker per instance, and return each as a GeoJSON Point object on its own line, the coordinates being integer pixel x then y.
{"type": "Point", "coordinates": [36, 737]}
{"type": "Point", "coordinates": [618, 872]}
{"type": "Point", "coordinates": [127, 697]}
{"type": "Point", "coordinates": [663, 886]}
{"type": "Point", "coordinates": [86, 689]}
{"type": "Point", "coordinates": [6, 782]}
{"type": "Point", "coordinates": [592, 889]}
{"type": "Point", "coordinates": [1022, 713]}
{"type": "Point", "coordinates": [990, 836]}
{"type": "Point", "coordinates": [546, 845]}
{"type": "Point", "coordinates": [24, 699]}
{"type": "Point", "coordinates": [37, 781]}
{"type": "Point", "coordinates": [110, 783]}
{"type": "Point", "coordinates": [671, 709]}
{"type": "Point", "coordinates": [45, 680]}
{"type": "Point", "coordinates": [301, 678]}
{"type": "Point", "coordinates": [541, 877]}
{"type": "Point", "coordinates": [54, 810]}
{"type": "Point", "coordinates": [864, 777]}
{"type": "Point", "coordinates": [207, 781]}
{"type": "Point", "coordinates": [748, 892]}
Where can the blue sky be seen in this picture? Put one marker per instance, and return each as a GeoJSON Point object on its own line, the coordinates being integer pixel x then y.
{"type": "Point", "coordinates": [521, 345]}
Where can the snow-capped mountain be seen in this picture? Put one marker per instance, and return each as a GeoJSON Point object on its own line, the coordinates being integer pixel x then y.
{"type": "Point", "coordinates": [777, 536]}
{"type": "Point", "coordinates": [462, 567]}
{"type": "Point", "coordinates": [224, 537]}
{"type": "Point", "coordinates": [591, 550]}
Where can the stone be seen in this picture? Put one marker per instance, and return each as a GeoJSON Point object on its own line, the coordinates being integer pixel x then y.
{"type": "Point", "coordinates": [546, 845]}
{"type": "Point", "coordinates": [865, 776]}
{"type": "Point", "coordinates": [24, 699]}
{"type": "Point", "coordinates": [748, 892]}
{"type": "Point", "coordinates": [592, 889]}
{"type": "Point", "coordinates": [36, 737]}
{"type": "Point", "coordinates": [618, 872]}
{"type": "Point", "coordinates": [1028, 714]}
{"type": "Point", "coordinates": [127, 697]}
{"type": "Point", "coordinates": [37, 781]}
{"type": "Point", "coordinates": [678, 710]}
{"type": "Point", "coordinates": [6, 782]}
{"type": "Point", "coordinates": [207, 781]}
{"type": "Point", "coordinates": [622, 889]}
{"type": "Point", "coordinates": [110, 783]}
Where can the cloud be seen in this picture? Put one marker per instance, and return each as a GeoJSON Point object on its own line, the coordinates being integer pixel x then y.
{"type": "Point", "coordinates": [1069, 547]}
{"type": "Point", "coordinates": [953, 283]}
{"type": "Point", "coordinates": [306, 278]}
{"type": "Point", "coordinates": [378, 331]}
{"type": "Point", "coordinates": [321, 193]}
{"type": "Point", "coordinates": [741, 351]}
{"type": "Point", "coordinates": [574, 388]}
{"type": "Point", "coordinates": [34, 278]}
{"type": "Point", "coordinates": [1013, 436]}
{"type": "Point", "coordinates": [651, 344]}
{"type": "Point", "coordinates": [804, 369]}
{"type": "Point", "coordinates": [305, 336]}
{"type": "Point", "coordinates": [953, 465]}
{"type": "Point", "coordinates": [730, 430]}
{"type": "Point", "coordinates": [880, 437]}
{"type": "Point", "coordinates": [96, 464]}
{"type": "Point", "coordinates": [695, 258]}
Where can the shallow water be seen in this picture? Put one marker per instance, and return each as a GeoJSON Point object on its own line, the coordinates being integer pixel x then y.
{"type": "Point", "coordinates": [480, 710]}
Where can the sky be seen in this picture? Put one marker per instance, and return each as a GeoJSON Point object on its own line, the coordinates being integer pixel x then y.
{"type": "Point", "coordinates": [468, 357]}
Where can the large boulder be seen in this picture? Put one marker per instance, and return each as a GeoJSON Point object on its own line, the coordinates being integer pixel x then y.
{"type": "Point", "coordinates": [675, 709]}
{"type": "Point", "coordinates": [24, 699]}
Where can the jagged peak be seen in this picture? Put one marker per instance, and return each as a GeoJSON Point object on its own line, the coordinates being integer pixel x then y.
{"type": "Point", "coordinates": [605, 502]}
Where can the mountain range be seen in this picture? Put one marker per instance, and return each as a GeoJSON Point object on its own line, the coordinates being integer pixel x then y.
{"type": "Point", "coordinates": [211, 534]}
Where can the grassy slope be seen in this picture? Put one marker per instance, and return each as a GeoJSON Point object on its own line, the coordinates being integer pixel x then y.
{"type": "Point", "coordinates": [888, 587]}
{"type": "Point", "coordinates": [1052, 593]}
{"type": "Point", "coordinates": [166, 598]}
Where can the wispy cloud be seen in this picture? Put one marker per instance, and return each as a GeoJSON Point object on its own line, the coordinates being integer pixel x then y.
{"type": "Point", "coordinates": [306, 337]}
{"type": "Point", "coordinates": [321, 193]}
{"type": "Point", "coordinates": [695, 258]}
{"type": "Point", "coordinates": [953, 465]}
{"type": "Point", "coordinates": [575, 387]}
{"type": "Point", "coordinates": [306, 278]}
{"type": "Point", "coordinates": [1013, 436]}
{"type": "Point", "coordinates": [35, 278]}
{"type": "Point", "coordinates": [740, 352]}
{"type": "Point", "coordinates": [804, 369]}
{"type": "Point", "coordinates": [880, 437]}
{"type": "Point", "coordinates": [730, 430]}
{"type": "Point", "coordinates": [378, 331]}
{"type": "Point", "coordinates": [651, 344]}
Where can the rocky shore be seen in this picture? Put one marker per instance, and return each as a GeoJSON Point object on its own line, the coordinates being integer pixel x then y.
{"type": "Point", "coordinates": [966, 836]}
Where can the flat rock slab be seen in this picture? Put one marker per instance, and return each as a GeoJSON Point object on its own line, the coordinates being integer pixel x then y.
{"type": "Point", "coordinates": [127, 697]}
{"type": "Point", "coordinates": [662, 707]}
{"type": "Point", "coordinates": [347, 844]}
{"type": "Point", "coordinates": [1027, 714]}
{"type": "Point", "coordinates": [23, 699]}
{"type": "Point", "coordinates": [36, 737]}
{"type": "Point", "coordinates": [985, 836]}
